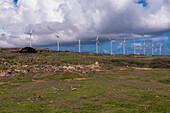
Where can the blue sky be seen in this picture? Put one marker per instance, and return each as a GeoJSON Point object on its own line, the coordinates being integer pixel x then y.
{"type": "Point", "coordinates": [15, 1]}
{"type": "Point", "coordinates": [143, 2]}
{"type": "Point", "coordinates": [105, 47]}
{"type": "Point", "coordinates": [86, 20]}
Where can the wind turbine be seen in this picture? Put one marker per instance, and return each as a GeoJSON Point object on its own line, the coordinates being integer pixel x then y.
{"type": "Point", "coordinates": [124, 48]}
{"type": "Point", "coordinates": [79, 45]}
{"type": "Point", "coordinates": [30, 34]}
{"type": "Point", "coordinates": [152, 48]}
{"type": "Point", "coordinates": [134, 44]}
{"type": "Point", "coordinates": [97, 42]}
{"type": "Point", "coordinates": [58, 43]}
{"type": "Point", "coordinates": [79, 40]}
{"type": "Point", "coordinates": [160, 48]}
{"type": "Point", "coordinates": [111, 41]}
{"type": "Point", "coordinates": [144, 47]}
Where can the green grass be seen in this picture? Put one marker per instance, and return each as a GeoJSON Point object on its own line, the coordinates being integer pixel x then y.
{"type": "Point", "coordinates": [114, 88]}
{"type": "Point", "coordinates": [167, 81]}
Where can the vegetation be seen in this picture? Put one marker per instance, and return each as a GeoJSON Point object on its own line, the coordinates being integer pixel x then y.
{"type": "Point", "coordinates": [84, 82]}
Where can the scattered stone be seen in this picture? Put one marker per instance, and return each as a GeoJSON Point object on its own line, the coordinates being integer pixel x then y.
{"type": "Point", "coordinates": [23, 71]}
{"type": "Point", "coordinates": [5, 63]}
{"type": "Point", "coordinates": [65, 67]}
{"type": "Point", "coordinates": [2, 74]}
{"type": "Point", "coordinates": [74, 89]}
{"type": "Point", "coordinates": [97, 63]}
{"type": "Point", "coordinates": [9, 72]}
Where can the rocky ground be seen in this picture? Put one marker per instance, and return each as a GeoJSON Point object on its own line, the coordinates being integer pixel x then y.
{"type": "Point", "coordinates": [44, 80]}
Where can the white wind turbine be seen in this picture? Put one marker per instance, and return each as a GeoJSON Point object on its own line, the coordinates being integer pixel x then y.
{"type": "Point", "coordinates": [134, 44]}
{"type": "Point", "coordinates": [79, 45]}
{"type": "Point", "coordinates": [111, 41]}
{"type": "Point", "coordinates": [79, 40]}
{"type": "Point", "coordinates": [97, 42]}
{"type": "Point", "coordinates": [160, 48]}
{"type": "Point", "coordinates": [58, 43]}
{"type": "Point", "coordinates": [30, 34]}
{"type": "Point", "coordinates": [124, 47]}
{"type": "Point", "coordinates": [152, 48]}
{"type": "Point", "coordinates": [144, 47]}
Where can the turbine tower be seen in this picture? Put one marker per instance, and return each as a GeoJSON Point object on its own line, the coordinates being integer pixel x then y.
{"type": "Point", "coordinates": [124, 48]}
{"type": "Point", "coordinates": [152, 48]}
{"type": "Point", "coordinates": [111, 41]}
{"type": "Point", "coordinates": [58, 43]}
{"type": "Point", "coordinates": [79, 40]}
{"type": "Point", "coordinates": [97, 42]}
{"type": "Point", "coordinates": [79, 45]}
{"type": "Point", "coordinates": [160, 48]}
{"type": "Point", "coordinates": [134, 44]}
{"type": "Point", "coordinates": [30, 34]}
{"type": "Point", "coordinates": [144, 47]}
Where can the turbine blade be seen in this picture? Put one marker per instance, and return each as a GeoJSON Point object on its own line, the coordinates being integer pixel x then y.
{"type": "Point", "coordinates": [109, 37]}
{"type": "Point", "coordinates": [98, 42]}
{"type": "Point", "coordinates": [97, 38]}
{"type": "Point", "coordinates": [56, 36]}
{"type": "Point", "coordinates": [31, 31]}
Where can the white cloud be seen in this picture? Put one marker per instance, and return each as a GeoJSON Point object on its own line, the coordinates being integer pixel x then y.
{"type": "Point", "coordinates": [160, 38]}
{"type": "Point", "coordinates": [86, 18]}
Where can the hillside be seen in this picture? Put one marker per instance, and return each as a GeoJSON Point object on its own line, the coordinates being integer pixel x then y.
{"type": "Point", "coordinates": [61, 81]}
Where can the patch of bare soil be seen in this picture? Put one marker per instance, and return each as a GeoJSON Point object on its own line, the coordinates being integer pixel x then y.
{"type": "Point", "coordinates": [1, 83]}
{"type": "Point", "coordinates": [78, 79]}
{"type": "Point", "coordinates": [38, 81]}
{"type": "Point", "coordinates": [143, 68]}
{"type": "Point", "coordinates": [15, 84]}
{"type": "Point", "coordinates": [122, 69]}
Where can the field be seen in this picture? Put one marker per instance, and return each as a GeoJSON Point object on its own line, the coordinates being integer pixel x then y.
{"type": "Point", "coordinates": [84, 82]}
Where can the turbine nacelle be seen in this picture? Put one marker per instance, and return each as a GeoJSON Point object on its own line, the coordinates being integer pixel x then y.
{"type": "Point", "coordinates": [57, 36]}
{"type": "Point", "coordinates": [58, 43]}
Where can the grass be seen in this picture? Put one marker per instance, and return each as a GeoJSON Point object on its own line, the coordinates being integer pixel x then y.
{"type": "Point", "coordinates": [115, 86]}
{"type": "Point", "coordinates": [167, 81]}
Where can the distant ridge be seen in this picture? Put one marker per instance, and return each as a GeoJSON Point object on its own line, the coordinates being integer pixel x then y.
{"type": "Point", "coordinates": [27, 50]}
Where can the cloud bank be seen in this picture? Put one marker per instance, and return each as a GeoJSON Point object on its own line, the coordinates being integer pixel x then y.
{"type": "Point", "coordinates": [83, 18]}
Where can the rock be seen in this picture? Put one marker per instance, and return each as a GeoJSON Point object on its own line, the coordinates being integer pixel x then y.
{"type": "Point", "coordinates": [71, 68]}
{"type": "Point", "coordinates": [74, 89]}
{"type": "Point", "coordinates": [65, 67]}
{"type": "Point", "coordinates": [5, 63]}
{"type": "Point", "coordinates": [97, 63]}
{"type": "Point", "coordinates": [79, 67]}
{"type": "Point", "coordinates": [9, 72]}
{"type": "Point", "coordinates": [2, 74]}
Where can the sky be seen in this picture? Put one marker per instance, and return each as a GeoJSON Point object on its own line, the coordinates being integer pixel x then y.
{"type": "Point", "coordinates": [142, 20]}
